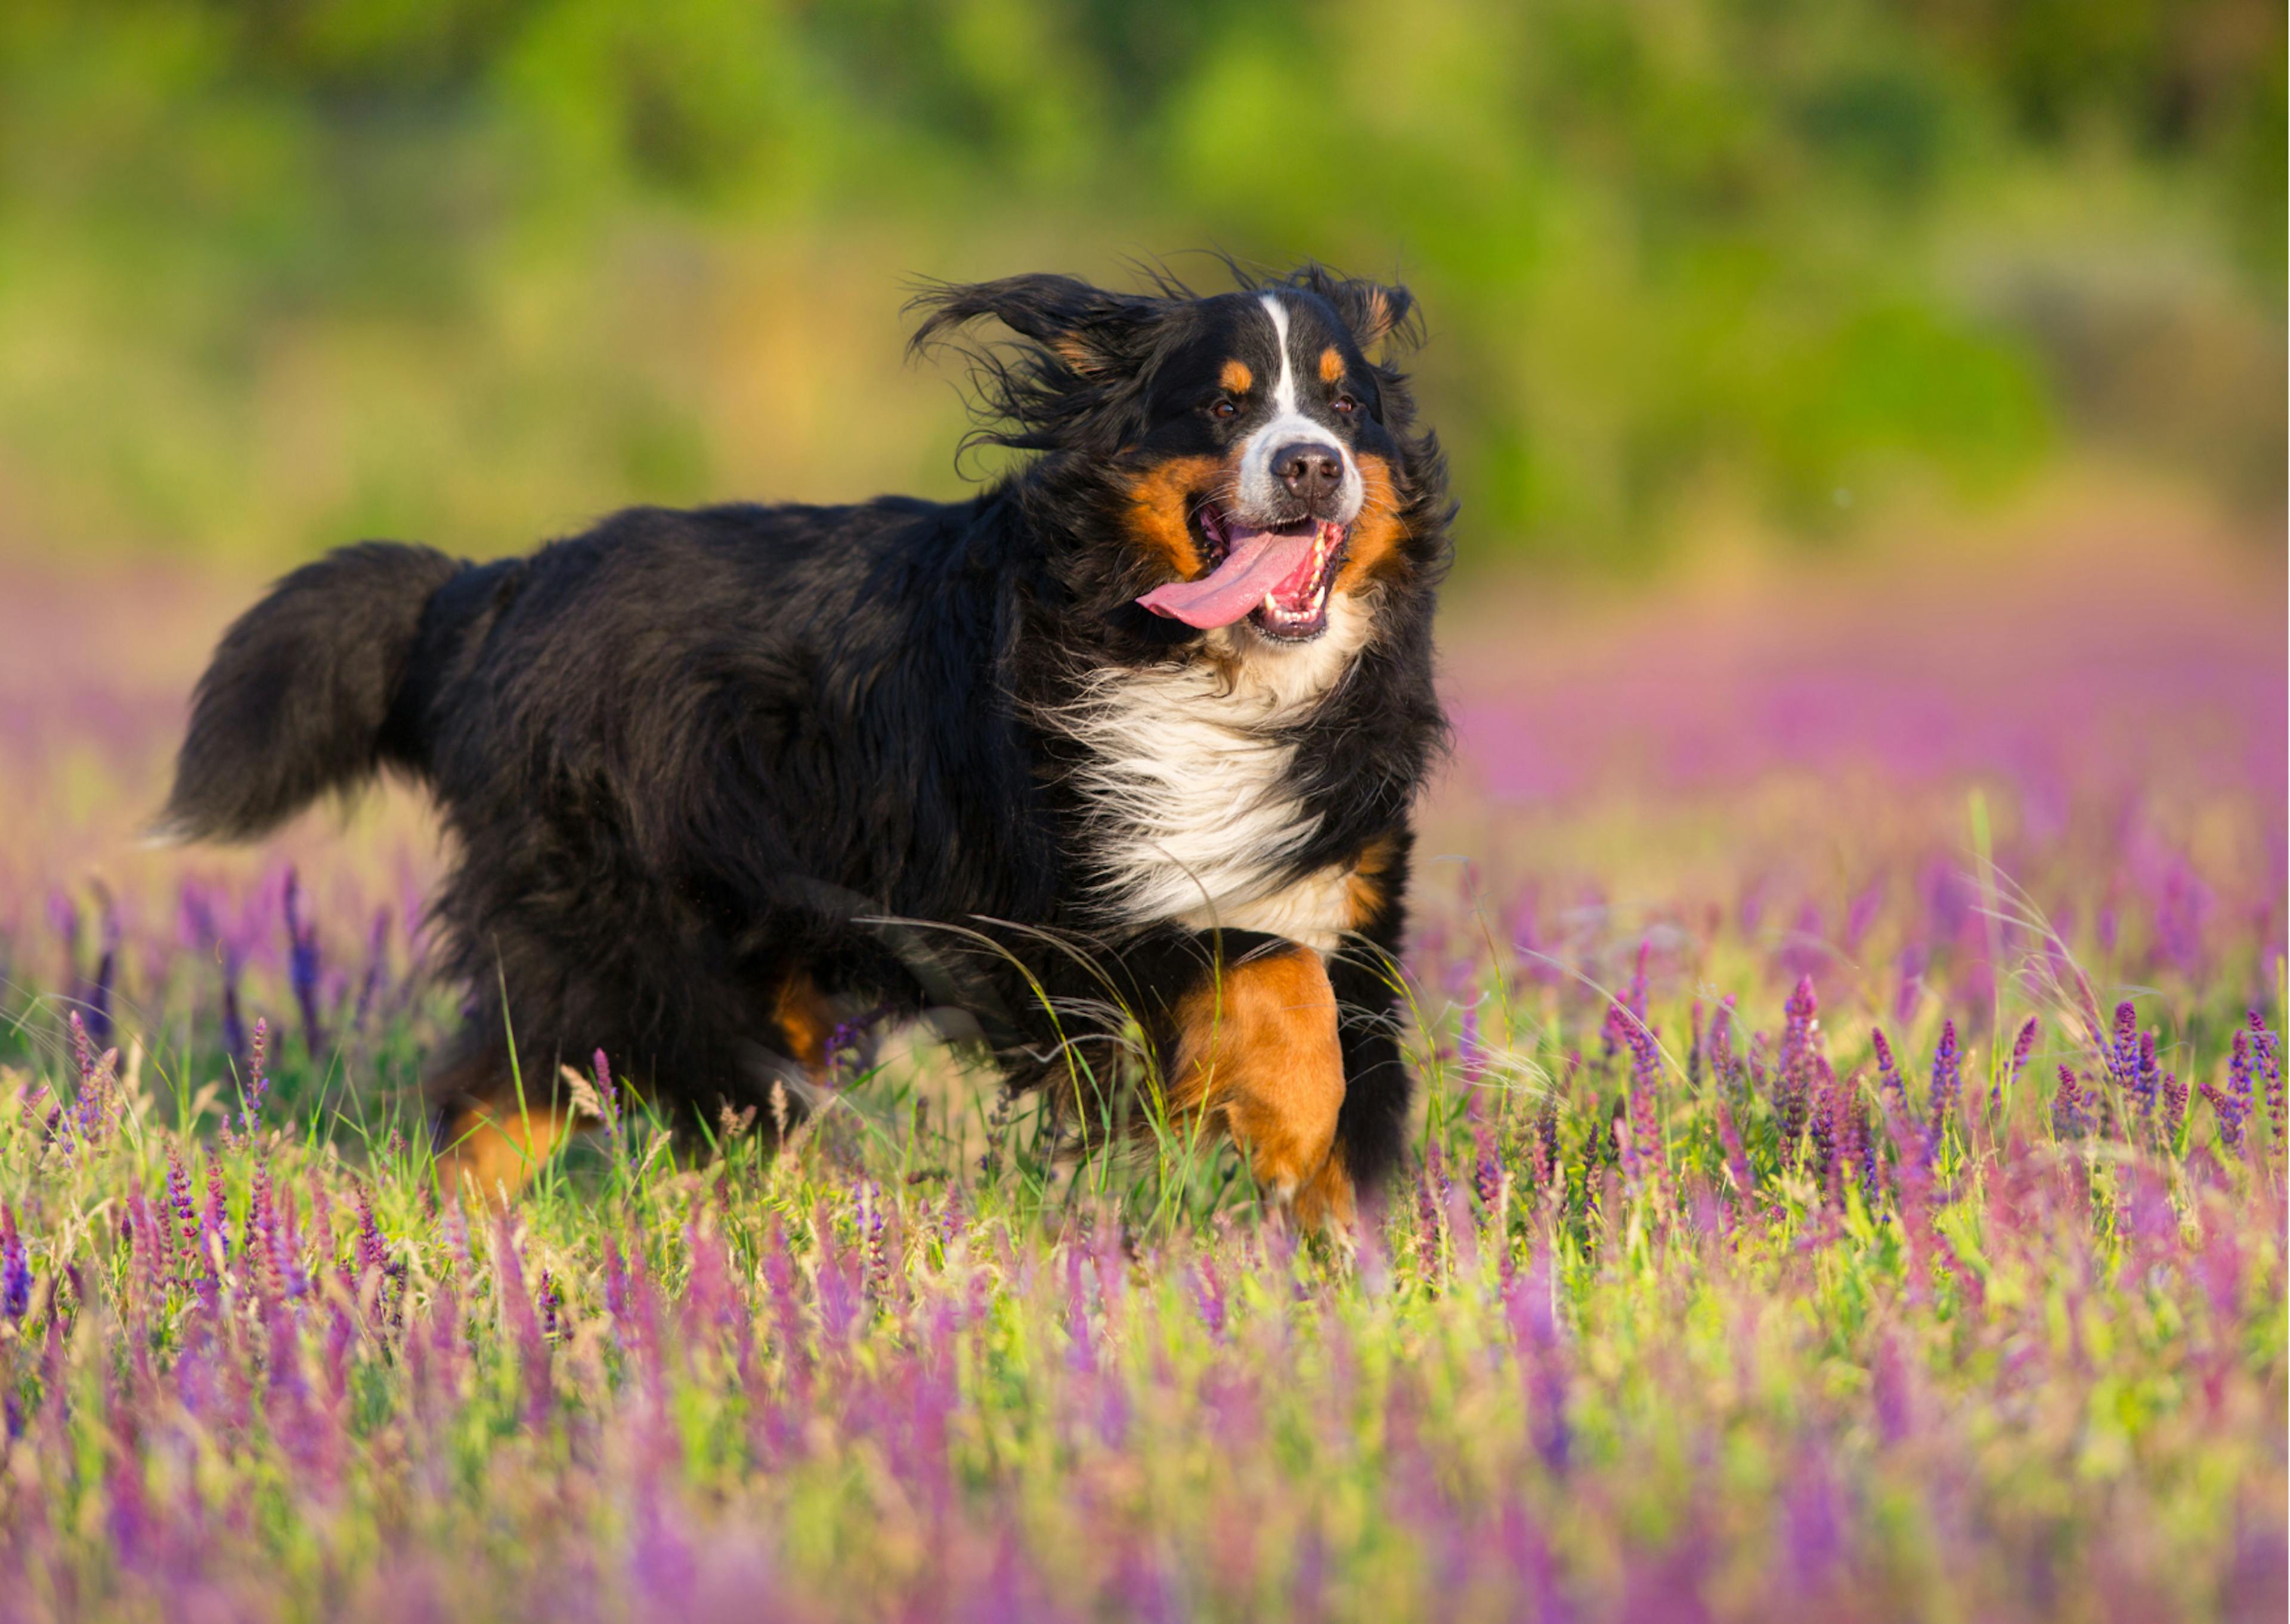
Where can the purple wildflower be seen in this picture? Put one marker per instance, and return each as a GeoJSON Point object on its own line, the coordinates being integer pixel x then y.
{"type": "Point", "coordinates": [1430, 1191]}
{"type": "Point", "coordinates": [1947, 1085]}
{"type": "Point", "coordinates": [874, 1231]}
{"type": "Point", "coordinates": [1641, 1150]}
{"type": "Point", "coordinates": [2266, 1067]}
{"type": "Point", "coordinates": [2118, 1054]}
{"type": "Point", "coordinates": [1486, 1165]}
{"type": "Point", "coordinates": [180, 1202]}
{"type": "Point", "coordinates": [1737, 1159]}
{"type": "Point", "coordinates": [95, 1104]}
{"type": "Point", "coordinates": [1615, 1035]}
{"type": "Point", "coordinates": [1470, 1048]}
{"type": "Point", "coordinates": [214, 1234]}
{"type": "Point", "coordinates": [524, 1324]}
{"type": "Point", "coordinates": [1724, 1067]}
{"type": "Point", "coordinates": [2070, 1106]}
{"type": "Point", "coordinates": [254, 1244]}
{"type": "Point", "coordinates": [377, 969]}
{"type": "Point", "coordinates": [2174, 1106]}
{"type": "Point", "coordinates": [1800, 1066]}
{"type": "Point", "coordinates": [1542, 1360]}
{"type": "Point", "coordinates": [107, 971]}
{"type": "Point", "coordinates": [2231, 1104]}
{"type": "Point", "coordinates": [552, 1306]}
{"type": "Point", "coordinates": [234, 1024]}
{"type": "Point", "coordinates": [1208, 1293]}
{"type": "Point", "coordinates": [63, 921]}
{"type": "Point", "coordinates": [373, 1262]}
{"type": "Point", "coordinates": [2022, 1046]}
{"type": "Point", "coordinates": [608, 1098]}
{"type": "Point", "coordinates": [257, 1080]}
{"type": "Point", "coordinates": [1547, 1166]}
{"type": "Point", "coordinates": [285, 1242]}
{"type": "Point", "coordinates": [303, 962]}
{"type": "Point", "coordinates": [15, 1268]}
{"type": "Point", "coordinates": [2146, 1077]}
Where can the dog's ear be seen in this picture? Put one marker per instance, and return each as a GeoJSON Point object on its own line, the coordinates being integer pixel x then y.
{"type": "Point", "coordinates": [1375, 311]}
{"type": "Point", "coordinates": [1087, 330]}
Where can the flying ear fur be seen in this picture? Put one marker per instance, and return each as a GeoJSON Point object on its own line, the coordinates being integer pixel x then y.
{"type": "Point", "coordinates": [1086, 328]}
{"type": "Point", "coordinates": [1375, 311]}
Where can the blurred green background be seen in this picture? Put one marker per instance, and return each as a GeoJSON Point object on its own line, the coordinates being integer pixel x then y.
{"type": "Point", "coordinates": [274, 274]}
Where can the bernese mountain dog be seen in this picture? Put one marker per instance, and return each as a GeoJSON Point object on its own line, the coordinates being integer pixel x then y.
{"type": "Point", "coordinates": [1116, 758]}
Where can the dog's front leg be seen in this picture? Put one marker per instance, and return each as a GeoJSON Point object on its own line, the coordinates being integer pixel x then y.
{"type": "Point", "coordinates": [1256, 1051]}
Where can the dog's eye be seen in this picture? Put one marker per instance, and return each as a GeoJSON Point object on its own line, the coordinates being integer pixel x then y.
{"type": "Point", "coordinates": [1224, 408]}
{"type": "Point", "coordinates": [1345, 405]}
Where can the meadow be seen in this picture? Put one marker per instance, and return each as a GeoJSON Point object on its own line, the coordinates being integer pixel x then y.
{"type": "Point", "coordinates": [1847, 999]}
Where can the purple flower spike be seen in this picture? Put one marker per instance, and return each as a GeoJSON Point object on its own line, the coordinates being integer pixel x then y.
{"type": "Point", "coordinates": [1947, 1084]}
{"type": "Point", "coordinates": [180, 1200]}
{"type": "Point", "coordinates": [2022, 1046]}
{"type": "Point", "coordinates": [15, 1268]}
{"type": "Point", "coordinates": [1798, 1077]}
{"type": "Point", "coordinates": [606, 1097]}
{"type": "Point", "coordinates": [2070, 1106]}
{"type": "Point", "coordinates": [2230, 1104]}
{"type": "Point", "coordinates": [1536, 1333]}
{"type": "Point", "coordinates": [524, 1324]}
{"type": "Point", "coordinates": [1892, 1090]}
{"type": "Point", "coordinates": [1631, 1003]}
{"type": "Point", "coordinates": [258, 1081]}
{"type": "Point", "coordinates": [107, 971]}
{"type": "Point", "coordinates": [377, 969]}
{"type": "Point", "coordinates": [2145, 1076]}
{"type": "Point", "coordinates": [1643, 1159]}
{"type": "Point", "coordinates": [302, 962]}
{"type": "Point", "coordinates": [2266, 1067]}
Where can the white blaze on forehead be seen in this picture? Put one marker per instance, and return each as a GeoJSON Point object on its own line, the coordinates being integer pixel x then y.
{"type": "Point", "coordinates": [1283, 394]}
{"type": "Point", "coordinates": [1260, 491]}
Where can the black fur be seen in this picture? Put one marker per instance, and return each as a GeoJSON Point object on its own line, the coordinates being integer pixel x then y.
{"type": "Point", "coordinates": [303, 696]}
{"type": "Point", "coordinates": [688, 755]}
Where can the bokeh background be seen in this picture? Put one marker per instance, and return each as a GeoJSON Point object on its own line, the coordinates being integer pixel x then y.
{"type": "Point", "coordinates": [1856, 407]}
{"type": "Point", "coordinates": [1869, 423]}
{"type": "Point", "coordinates": [278, 273]}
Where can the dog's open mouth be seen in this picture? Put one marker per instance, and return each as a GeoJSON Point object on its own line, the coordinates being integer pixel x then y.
{"type": "Point", "coordinates": [1275, 578]}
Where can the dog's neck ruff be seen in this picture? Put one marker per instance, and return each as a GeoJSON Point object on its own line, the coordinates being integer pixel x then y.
{"type": "Point", "coordinates": [1186, 778]}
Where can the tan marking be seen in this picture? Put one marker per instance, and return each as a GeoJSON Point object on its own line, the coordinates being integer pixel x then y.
{"type": "Point", "coordinates": [1157, 503]}
{"type": "Point", "coordinates": [1257, 1053]}
{"type": "Point", "coordinates": [1377, 313]}
{"type": "Point", "coordinates": [805, 1019]}
{"type": "Point", "coordinates": [1076, 354]}
{"type": "Point", "coordinates": [1236, 378]}
{"type": "Point", "coordinates": [1332, 365]}
{"type": "Point", "coordinates": [1374, 554]}
{"type": "Point", "coordinates": [495, 1150]}
{"type": "Point", "coordinates": [1366, 890]}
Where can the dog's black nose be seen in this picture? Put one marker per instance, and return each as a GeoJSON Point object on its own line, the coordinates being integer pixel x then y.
{"type": "Point", "coordinates": [1311, 470]}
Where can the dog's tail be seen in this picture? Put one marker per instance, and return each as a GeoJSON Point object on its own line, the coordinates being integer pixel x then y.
{"type": "Point", "coordinates": [307, 694]}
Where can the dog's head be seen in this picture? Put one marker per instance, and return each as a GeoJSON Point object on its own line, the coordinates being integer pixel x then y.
{"type": "Point", "coordinates": [1247, 460]}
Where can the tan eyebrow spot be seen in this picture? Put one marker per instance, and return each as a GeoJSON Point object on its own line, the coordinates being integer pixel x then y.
{"type": "Point", "coordinates": [1237, 378]}
{"type": "Point", "coordinates": [1332, 365]}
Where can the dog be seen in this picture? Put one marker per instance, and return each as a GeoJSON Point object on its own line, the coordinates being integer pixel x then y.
{"type": "Point", "coordinates": [1118, 757]}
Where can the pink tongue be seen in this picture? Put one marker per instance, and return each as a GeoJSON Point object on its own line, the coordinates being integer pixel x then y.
{"type": "Point", "coordinates": [1255, 565]}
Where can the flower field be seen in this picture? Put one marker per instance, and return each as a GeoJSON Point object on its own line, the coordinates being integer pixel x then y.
{"type": "Point", "coordinates": [1850, 1182]}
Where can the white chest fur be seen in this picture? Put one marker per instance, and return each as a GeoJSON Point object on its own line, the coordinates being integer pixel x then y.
{"type": "Point", "coordinates": [1185, 772]}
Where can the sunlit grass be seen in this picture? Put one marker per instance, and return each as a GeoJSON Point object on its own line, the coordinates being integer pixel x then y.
{"type": "Point", "coordinates": [1689, 1301]}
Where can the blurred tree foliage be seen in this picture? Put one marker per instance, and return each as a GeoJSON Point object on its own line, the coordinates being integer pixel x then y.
{"type": "Point", "coordinates": [273, 272]}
